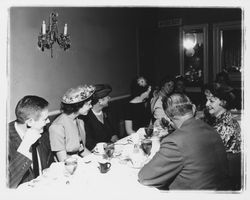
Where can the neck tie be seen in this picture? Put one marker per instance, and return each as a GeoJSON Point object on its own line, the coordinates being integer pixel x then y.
{"type": "Point", "coordinates": [35, 159]}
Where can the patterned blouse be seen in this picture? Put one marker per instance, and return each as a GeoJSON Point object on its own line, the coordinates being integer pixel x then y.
{"type": "Point", "coordinates": [229, 130]}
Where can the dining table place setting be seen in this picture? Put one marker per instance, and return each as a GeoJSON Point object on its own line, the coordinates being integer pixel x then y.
{"type": "Point", "coordinates": [115, 164]}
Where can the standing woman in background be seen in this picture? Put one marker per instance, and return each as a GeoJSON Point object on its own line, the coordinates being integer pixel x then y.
{"type": "Point", "coordinates": [137, 113]}
{"type": "Point", "coordinates": [67, 133]}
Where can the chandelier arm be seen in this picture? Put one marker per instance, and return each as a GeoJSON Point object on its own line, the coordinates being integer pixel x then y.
{"type": "Point", "coordinates": [48, 37]}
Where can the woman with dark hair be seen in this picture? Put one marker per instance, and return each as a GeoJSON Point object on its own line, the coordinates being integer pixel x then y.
{"type": "Point", "coordinates": [137, 114]}
{"type": "Point", "coordinates": [219, 103]}
{"type": "Point", "coordinates": [67, 133]}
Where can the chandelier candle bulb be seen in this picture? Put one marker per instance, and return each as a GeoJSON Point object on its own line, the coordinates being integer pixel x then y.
{"type": "Point", "coordinates": [43, 28]}
{"type": "Point", "coordinates": [65, 29]}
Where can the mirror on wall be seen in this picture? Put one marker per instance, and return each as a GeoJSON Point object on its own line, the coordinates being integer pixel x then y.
{"type": "Point", "coordinates": [193, 54]}
{"type": "Point", "coordinates": [227, 52]}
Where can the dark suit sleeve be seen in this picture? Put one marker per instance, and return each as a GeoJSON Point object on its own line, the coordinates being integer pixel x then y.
{"type": "Point", "coordinates": [18, 166]}
{"type": "Point", "coordinates": [163, 167]}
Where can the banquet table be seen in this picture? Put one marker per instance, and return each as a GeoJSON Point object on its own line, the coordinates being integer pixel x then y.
{"type": "Point", "coordinates": [121, 177]}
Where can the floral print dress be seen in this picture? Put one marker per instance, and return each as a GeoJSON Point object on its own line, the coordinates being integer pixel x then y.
{"type": "Point", "coordinates": [229, 130]}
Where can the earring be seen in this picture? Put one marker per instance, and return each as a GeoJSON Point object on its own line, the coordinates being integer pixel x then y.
{"type": "Point", "coordinates": [223, 103]}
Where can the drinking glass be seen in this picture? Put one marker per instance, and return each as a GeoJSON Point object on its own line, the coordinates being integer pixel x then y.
{"type": "Point", "coordinates": [149, 131]}
{"type": "Point", "coordinates": [146, 146]}
{"type": "Point", "coordinates": [109, 150]}
{"type": "Point", "coordinates": [70, 165]}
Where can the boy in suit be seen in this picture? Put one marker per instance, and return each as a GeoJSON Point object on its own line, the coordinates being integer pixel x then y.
{"type": "Point", "coordinates": [28, 151]}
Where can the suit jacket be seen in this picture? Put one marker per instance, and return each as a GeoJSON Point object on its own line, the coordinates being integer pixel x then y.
{"type": "Point", "coordinates": [97, 131]}
{"type": "Point", "coordinates": [192, 157]}
{"type": "Point", "coordinates": [19, 166]}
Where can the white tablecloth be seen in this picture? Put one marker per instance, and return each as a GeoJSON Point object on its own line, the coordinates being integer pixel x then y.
{"type": "Point", "coordinates": [121, 177]}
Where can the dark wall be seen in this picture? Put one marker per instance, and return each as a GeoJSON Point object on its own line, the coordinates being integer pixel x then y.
{"type": "Point", "coordinates": [162, 44]}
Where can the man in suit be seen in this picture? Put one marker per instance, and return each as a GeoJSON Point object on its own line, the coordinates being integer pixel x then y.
{"type": "Point", "coordinates": [98, 123]}
{"type": "Point", "coordinates": [29, 151]}
{"type": "Point", "coordinates": [190, 158]}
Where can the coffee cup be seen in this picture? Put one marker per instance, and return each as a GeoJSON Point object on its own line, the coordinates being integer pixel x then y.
{"type": "Point", "coordinates": [100, 147]}
{"type": "Point", "coordinates": [104, 167]}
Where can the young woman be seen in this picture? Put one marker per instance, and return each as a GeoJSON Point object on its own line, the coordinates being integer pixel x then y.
{"type": "Point", "coordinates": [67, 133]}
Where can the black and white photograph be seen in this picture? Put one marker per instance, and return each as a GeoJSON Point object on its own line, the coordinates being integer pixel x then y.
{"type": "Point", "coordinates": [123, 101]}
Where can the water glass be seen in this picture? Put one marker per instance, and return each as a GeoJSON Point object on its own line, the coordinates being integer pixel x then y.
{"type": "Point", "coordinates": [70, 165]}
{"type": "Point", "coordinates": [146, 146]}
{"type": "Point", "coordinates": [149, 131]}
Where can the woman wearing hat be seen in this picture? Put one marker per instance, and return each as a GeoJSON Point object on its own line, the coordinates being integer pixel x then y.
{"type": "Point", "coordinates": [98, 122]}
{"type": "Point", "coordinates": [137, 112]}
{"type": "Point", "coordinates": [67, 133]}
{"type": "Point", "coordinates": [219, 103]}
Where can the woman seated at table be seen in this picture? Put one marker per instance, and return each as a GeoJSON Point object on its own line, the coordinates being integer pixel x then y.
{"type": "Point", "coordinates": [166, 89]}
{"type": "Point", "coordinates": [67, 133]}
{"type": "Point", "coordinates": [137, 113]}
{"type": "Point", "coordinates": [219, 103]}
{"type": "Point", "coordinates": [98, 122]}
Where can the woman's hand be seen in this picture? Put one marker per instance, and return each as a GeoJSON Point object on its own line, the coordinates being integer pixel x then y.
{"type": "Point", "coordinates": [114, 138]}
{"type": "Point", "coordinates": [85, 152]}
{"type": "Point", "coordinates": [61, 155]}
{"type": "Point", "coordinates": [128, 127]}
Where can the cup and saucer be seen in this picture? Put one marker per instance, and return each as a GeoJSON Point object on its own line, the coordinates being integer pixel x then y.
{"type": "Point", "coordinates": [100, 148]}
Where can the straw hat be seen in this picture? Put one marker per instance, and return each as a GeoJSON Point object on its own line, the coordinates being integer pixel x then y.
{"type": "Point", "coordinates": [78, 94]}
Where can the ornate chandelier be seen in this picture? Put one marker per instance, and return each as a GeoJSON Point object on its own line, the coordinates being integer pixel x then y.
{"type": "Point", "coordinates": [47, 37]}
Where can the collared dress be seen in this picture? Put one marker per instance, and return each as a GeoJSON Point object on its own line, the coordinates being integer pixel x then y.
{"type": "Point", "coordinates": [229, 130]}
{"type": "Point", "coordinates": [67, 135]}
{"type": "Point", "coordinates": [230, 133]}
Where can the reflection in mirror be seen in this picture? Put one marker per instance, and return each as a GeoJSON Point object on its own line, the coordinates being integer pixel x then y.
{"type": "Point", "coordinates": [231, 50]}
{"type": "Point", "coordinates": [227, 44]}
{"type": "Point", "coordinates": [193, 58]}
{"type": "Point", "coordinates": [227, 55]}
